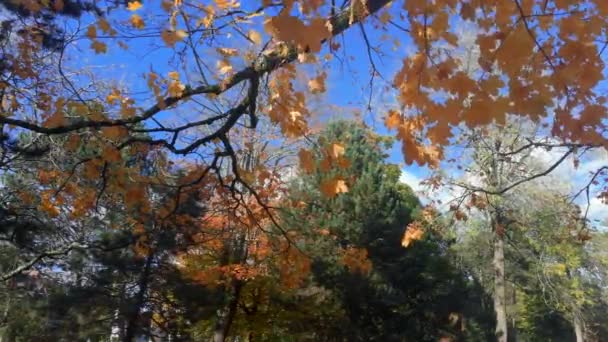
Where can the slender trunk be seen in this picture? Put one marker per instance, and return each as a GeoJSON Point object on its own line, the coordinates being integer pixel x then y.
{"type": "Point", "coordinates": [226, 315]}
{"type": "Point", "coordinates": [500, 307]}
{"type": "Point", "coordinates": [139, 301]}
{"type": "Point", "coordinates": [579, 329]}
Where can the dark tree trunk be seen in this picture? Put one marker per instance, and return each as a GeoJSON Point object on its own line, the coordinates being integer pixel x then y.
{"type": "Point", "coordinates": [226, 315]}
{"type": "Point", "coordinates": [139, 301]}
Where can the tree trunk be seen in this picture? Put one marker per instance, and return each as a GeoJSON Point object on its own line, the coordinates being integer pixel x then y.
{"type": "Point", "coordinates": [579, 329]}
{"type": "Point", "coordinates": [139, 301]}
{"type": "Point", "coordinates": [226, 315]}
{"type": "Point", "coordinates": [500, 307]}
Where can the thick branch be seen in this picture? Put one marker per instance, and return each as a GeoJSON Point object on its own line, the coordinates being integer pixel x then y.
{"type": "Point", "coordinates": [269, 61]}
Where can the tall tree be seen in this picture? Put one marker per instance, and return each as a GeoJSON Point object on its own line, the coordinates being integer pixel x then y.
{"type": "Point", "coordinates": [358, 253]}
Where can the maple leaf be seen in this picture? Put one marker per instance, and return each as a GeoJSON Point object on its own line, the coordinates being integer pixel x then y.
{"type": "Point", "coordinates": [355, 259]}
{"type": "Point", "coordinates": [113, 97]}
{"type": "Point", "coordinates": [334, 186]}
{"type": "Point", "coordinates": [91, 32]}
{"type": "Point", "coordinates": [291, 29]}
{"type": "Point", "coordinates": [172, 37]}
{"type": "Point", "coordinates": [137, 22]}
{"type": "Point", "coordinates": [393, 119]}
{"type": "Point", "coordinates": [307, 162]}
{"type": "Point", "coordinates": [99, 47]}
{"type": "Point", "coordinates": [175, 87]}
{"type": "Point", "coordinates": [317, 84]}
{"type": "Point", "coordinates": [134, 6]}
{"type": "Point", "coordinates": [336, 151]}
{"type": "Point", "coordinates": [104, 25]}
{"type": "Point", "coordinates": [413, 232]}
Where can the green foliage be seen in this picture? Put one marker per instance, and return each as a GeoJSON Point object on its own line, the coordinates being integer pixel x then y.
{"type": "Point", "coordinates": [409, 293]}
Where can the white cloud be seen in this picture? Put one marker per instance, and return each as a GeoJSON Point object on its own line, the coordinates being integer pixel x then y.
{"type": "Point", "coordinates": [412, 180]}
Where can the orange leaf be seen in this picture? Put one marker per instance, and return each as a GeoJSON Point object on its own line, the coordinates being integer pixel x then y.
{"type": "Point", "coordinates": [137, 22]}
{"type": "Point", "coordinates": [307, 162]}
{"type": "Point", "coordinates": [134, 5]}
{"type": "Point", "coordinates": [333, 187]}
{"type": "Point", "coordinates": [99, 47]}
{"type": "Point", "coordinates": [413, 233]}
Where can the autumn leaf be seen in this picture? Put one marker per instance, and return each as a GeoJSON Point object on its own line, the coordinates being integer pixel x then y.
{"type": "Point", "coordinates": [137, 22]}
{"type": "Point", "coordinates": [228, 52]}
{"type": "Point", "coordinates": [113, 97]}
{"type": "Point", "coordinates": [307, 162]}
{"type": "Point", "coordinates": [104, 26]}
{"type": "Point", "coordinates": [392, 120]}
{"type": "Point", "coordinates": [413, 232]}
{"type": "Point", "coordinates": [334, 186]}
{"type": "Point", "coordinates": [91, 32]}
{"type": "Point", "coordinates": [255, 37]}
{"type": "Point", "coordinates": [172, 37]}
{"type": "Point", "coordinates": [291, 29]}
{"type": "Point", "coordinates": [336, 151]}
{"type": "Point", "coordinates": [317, 84]}
{"type": "Point", "coordinates": [134, 6]}
{"type": "Point", "coordinates": [111, 154]}
{"type": "Point", "coordinates": [175, 87]}
{"type": "Point", "coordinates": [224, 66]}
{"type": "Point", "coordinates": [99, 47]}
{"type": "Point", "coordinates": [356, 260]}
{"type": "Point", "coordinates": [227, 4]}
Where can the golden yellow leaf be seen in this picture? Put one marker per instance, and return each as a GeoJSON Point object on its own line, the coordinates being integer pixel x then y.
{"type": "Point", "coordinates": [228, 52]}
{"type": "Point", "coordinates": [336, 151]}
{"type": "Point", "coordinates": [255, 37]}
{"type": "Point", "coordinates": [99, 47]}
{"type": "Point", "coordinates": [137, 22]}
{"type": "Point", "coordinates": [223, 66]}
{"type": "Point", "coordinates": [113, 97]}
{"type": "Point", "coordinates": [174, 75]}
{"type": "Point", "coordinates": [134, 5]}
{"type": "Point", "coordinates": [227, 4]}
{"type": "Point", "coordinates": [175, 88]}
